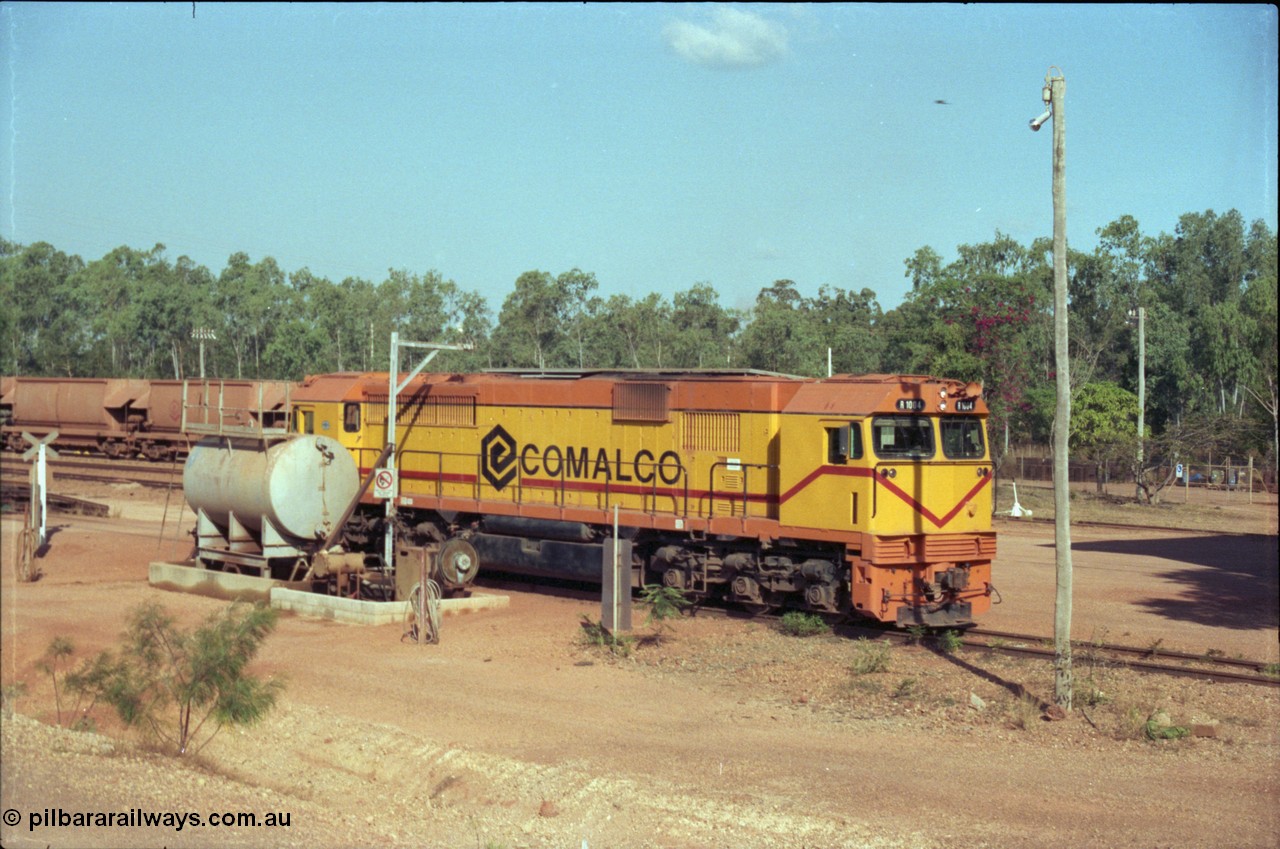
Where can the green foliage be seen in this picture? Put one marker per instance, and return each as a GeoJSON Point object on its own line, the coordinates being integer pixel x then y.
{"type": "Point", "coordinates": [1104, 424]}
{"type": "Point", "coordinates": [789, 333]}
{"type": "Point", "coordinates": [595, 635]}
{"type": "Point", "coordinates": [184, 686]}
{"type": "Point", "coordinates": [797, 623]}
{"type": "Point", "coordinates": [870, 657]}
{"type": "Point", "coordinates": [1156, 731]}
{"type": "Point", "coordinates": [663, 602]}
{"type": "Point", "coordinates": [949, 642]}
{"type": "Point", "coordinates": [53, 663]}
{"type": "Point", "coordinates": [10, 694]}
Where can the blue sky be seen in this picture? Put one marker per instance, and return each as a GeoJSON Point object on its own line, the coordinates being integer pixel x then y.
{"type": "Point", "coordinates": [657, 146]}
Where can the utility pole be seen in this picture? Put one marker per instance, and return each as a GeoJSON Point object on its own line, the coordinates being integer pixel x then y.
{"type": "Point", "coordinates": [1053, 92]}
{"type": "Point", "coordinates": [1142, 391]}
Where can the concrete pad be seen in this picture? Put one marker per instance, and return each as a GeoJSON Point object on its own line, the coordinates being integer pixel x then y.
{"type": "Point", "coordinates": [361, 612]}
{"type": "Point", "coordinates": [188, 578]}
{"type": "Point", "coordinates": [296, 596]}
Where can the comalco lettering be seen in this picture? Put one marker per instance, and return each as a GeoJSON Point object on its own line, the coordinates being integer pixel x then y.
{"type": "Point", "coordinates": [573, 462]}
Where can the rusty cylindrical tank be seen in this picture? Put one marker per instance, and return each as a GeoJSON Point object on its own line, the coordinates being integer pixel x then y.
{"type": "Point", "coordinates": [300, 485]}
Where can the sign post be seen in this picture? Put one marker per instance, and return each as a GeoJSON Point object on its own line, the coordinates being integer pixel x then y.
{"type": "Point", "coordinates": [384, 483]}
{"type": "Point", "coordinates": [615, 584]}
{"type": "Point", "coordinates": [41, 449]}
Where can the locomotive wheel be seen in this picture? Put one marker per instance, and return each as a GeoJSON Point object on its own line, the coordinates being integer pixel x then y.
{"type": "Point", "coordinates": [457, 563]}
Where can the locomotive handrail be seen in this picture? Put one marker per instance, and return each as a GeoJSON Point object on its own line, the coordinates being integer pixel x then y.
{"type": "Point", "coordinates": [746, 480]}
{"type": "Point", "coordinates": [351, 507]}
{"type": "Point", "coordinates": [256, 417]}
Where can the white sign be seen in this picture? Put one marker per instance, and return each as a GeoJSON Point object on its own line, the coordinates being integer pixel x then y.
{"type": "Point", "coordinates": [1179, 472]}
{"type": "Point", "coordinates": [384, 483]}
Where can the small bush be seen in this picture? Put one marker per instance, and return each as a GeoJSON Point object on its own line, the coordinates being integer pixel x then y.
{"type": "Point", "coordinates": [1025, 712]}
{"type": "Point", "coordinates": [1156, 731]}
{"type": "Point", "coordinates": [797, 623]}
{"type": "Point", "coordinates": [182, 687]}
{"type": "Point", "coordinates": [54, 663]}
{"type": "Point", "coordinates": [10, 694]}
{"type": "Point", "coordinates": [664, 603]}
{"type": "Point", "coordinates": [906, 688]}
{"type": "Point", "coordinates": [949, 642]}
{"type": "Point", "coordinates": [869, 657]}
{"type": "Point", "coordinates": [595, 635]}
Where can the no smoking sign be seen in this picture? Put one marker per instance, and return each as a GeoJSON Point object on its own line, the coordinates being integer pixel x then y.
{"type": "Point", "coordinates": [384, 484]}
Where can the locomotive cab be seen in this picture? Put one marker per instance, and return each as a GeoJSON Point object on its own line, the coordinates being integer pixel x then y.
{"type": "Point", "coordinates": [905, 480]}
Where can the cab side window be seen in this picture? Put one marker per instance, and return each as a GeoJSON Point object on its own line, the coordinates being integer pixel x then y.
{"type": "Point", "coordinates": [304, 421]}
{"type": "Point", "coordinates": [351, 418]}
{"type": "Point", "coordinates": [844, 443]}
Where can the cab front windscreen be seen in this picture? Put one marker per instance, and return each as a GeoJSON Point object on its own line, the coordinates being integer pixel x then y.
{"type": "Point", "coordinates": [902, 437]}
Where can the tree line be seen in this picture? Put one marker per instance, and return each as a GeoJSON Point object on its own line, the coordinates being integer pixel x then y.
{"type": "Point", "coordinates": [1208, 291]}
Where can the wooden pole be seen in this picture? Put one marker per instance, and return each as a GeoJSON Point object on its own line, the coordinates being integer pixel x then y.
{"type": "Point", "coordinates": [1062, 694]}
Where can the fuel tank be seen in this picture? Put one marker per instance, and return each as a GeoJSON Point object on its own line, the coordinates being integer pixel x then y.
{"type": "Point", "coordinates": [299, 486]}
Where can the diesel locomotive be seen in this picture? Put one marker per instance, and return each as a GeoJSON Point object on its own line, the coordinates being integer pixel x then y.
{"type": "Point", "coordinates": [865, 495]}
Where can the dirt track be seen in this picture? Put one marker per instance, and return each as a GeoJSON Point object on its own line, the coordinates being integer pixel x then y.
{"type": "Point", "coordinates": [512, 733]}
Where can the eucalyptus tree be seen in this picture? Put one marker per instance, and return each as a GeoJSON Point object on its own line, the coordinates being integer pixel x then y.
{"type": "Point", "coordinates": [250, 300]}
{"type": "Point", "coordinates": [44, 317]}
{"type": "Point", "coordinates": [703, 332]}
{"type": "Point", "coordinates": [529, 324]}
{"type": "Point", "coordinates": [782, 335]}
{"type": "Point", "coordinates": [632, 334]}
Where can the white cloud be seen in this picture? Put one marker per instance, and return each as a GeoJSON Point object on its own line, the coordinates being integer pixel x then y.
{"type": "Point", "coordinates": [734, 39]}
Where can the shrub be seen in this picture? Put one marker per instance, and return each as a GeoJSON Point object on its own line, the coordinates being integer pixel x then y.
{"type": "Point", "coordinates": [664, 603]}
{"type": "Point", "coordinates": [200, 677]}
{"type": "Point", "coordinates": [594, 634]}
{"type": "Point", "coordinates": [949, 642]}
{"type": "Point", "coordinates": [869, 657]}
{"type": "Point", "coordinates": [797, 623]}
{"type": "Point", "coordinates": [54, 663]}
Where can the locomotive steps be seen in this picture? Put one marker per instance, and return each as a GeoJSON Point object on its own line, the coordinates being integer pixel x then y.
{"type": "Point", "coordinates": [296, 597]}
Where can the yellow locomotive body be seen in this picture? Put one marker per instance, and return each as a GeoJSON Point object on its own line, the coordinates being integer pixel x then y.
{"type": "Point", "coordinates": [865, 494]}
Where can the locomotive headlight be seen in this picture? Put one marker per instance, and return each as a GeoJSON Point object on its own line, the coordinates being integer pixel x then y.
{"type": "Point", "coordinates": [942, 405]}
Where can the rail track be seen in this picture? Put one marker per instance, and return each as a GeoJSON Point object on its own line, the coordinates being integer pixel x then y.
{"type": "Point", "coordinates": [1154, 659]}
{"type": "Point", "coordinates": [156, 475]}
{"type": "Point", "coordinates": [1207, 666]}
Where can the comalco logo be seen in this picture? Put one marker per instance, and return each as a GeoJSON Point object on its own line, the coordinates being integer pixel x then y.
{"type": "Point", "coordinates": [498, 457]}
{"type": "Point", "coordinates": [502, 458]}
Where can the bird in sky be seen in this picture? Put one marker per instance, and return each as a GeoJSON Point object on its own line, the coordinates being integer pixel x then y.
{"type": "Point", "coordinates": [941, 103]}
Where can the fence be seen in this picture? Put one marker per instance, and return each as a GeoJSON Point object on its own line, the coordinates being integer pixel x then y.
{"type": "Point", "coordinates": [1034, 464]}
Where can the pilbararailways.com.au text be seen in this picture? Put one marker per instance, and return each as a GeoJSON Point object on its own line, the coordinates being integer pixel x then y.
{"type": "Point", "coordinates": [139, 818]}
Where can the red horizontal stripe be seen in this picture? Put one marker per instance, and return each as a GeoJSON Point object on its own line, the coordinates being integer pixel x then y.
{"type": "Point", "coordinates": [695, 495]}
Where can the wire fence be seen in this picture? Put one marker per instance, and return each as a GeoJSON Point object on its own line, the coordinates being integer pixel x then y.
{"type": "Point", "coordinates": [1232, 475]}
